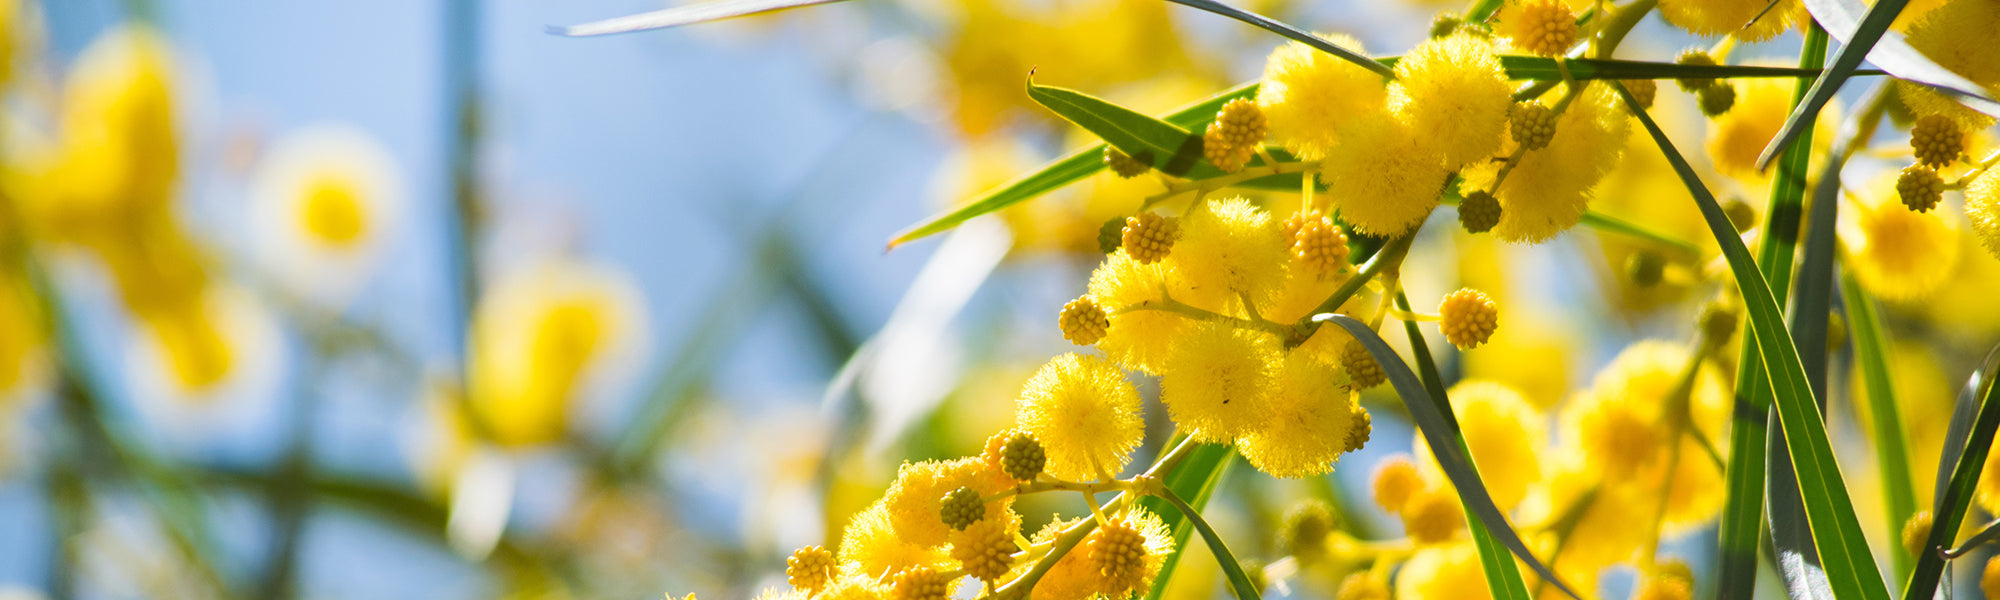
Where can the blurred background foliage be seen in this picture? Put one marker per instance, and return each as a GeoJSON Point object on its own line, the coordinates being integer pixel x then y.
{"type": "Point", "coordinates": [397, 299]}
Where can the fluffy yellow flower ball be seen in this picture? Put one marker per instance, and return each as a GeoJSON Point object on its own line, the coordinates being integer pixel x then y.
{"type": "Point", "coordinates": [120, 151]}
{"type": "Point", "coordinates": [1450, 571]}
{"type": "Point", "coordinates": [871, 546]}
{"type": "Point", "coordinates": [1127, 551]}
{"type": "Point", "coordinates": [1982, 206]}
{"type": "Point", "coordinates": [1230, 249]}
{"type": "Point", "coordinates": [1073, 576]}
{"type": "Point", "coordinates": [1959, 37]}
{"type": "Point", "coordinates": [1217, 385]}
{"type": "Point", "coordinates": [1085, 414]}
{"type": "Point", "coordinates": [1505, 435]}
{"type": "Point", "coordinates": [914, 499]}
{"type": "Point", "coordinates": [1386, 175]}
{"type": "Point", "coordinates": [1736, 137]}
{"type": "Point", "coordinates": [1138, 339]}
{"type": "Point", "coordinates": [1541, 27]}
{"type": "Point", "coordinates": [1454, 91]}
{"type": "Point", "coordinates": [1898, 254]}
{"type": "Point", "coordinates": [1312, 414]}
{"type": "Point", "coordinates": [1719, 17]}
{"type": "Point", "coordinates": [1310, 97]}
{"type": "Point", "coordinates": [1549, 190]}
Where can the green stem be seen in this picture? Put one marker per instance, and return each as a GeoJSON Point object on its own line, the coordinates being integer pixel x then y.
{"type": "Point", "coordinates": [1238, 581]}
{"type": "Point", "coordinates": [1390, 257]}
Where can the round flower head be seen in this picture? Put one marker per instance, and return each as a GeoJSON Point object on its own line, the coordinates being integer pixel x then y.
{"type": "Point", "coordinates": [1138, 339]}
{"type": "Point", "coordinates": [1982, 206]}
{"type": "Point", "coordinates": [1454, 91]}
{"type": "Point", "coordinates": [1217, 385]}
{"type": "Point", "coordinates": [1147, 237]}
{"type": "Point", "coordinates": [1450, 571]}
{"type": "Point", "coordinates": [1320, 245]}
{"type": "Point", "coordinates": [1082, 321]}
{"type": "Point", "coordinates": [914, 500]}
{"type": "Point", "coordinates": [1433, 516]}
{"type": "Point", "coordinates": [1898, 254]}
{"type": "Point", "coordinates": [326, 201]}
{"type": "Point", "coordinates": [1128, 551]}
{"type": "Point", "coordinates": [1396, 481]}
{"type": "Point", "coordinates": [1310, 97]}
{"type": "Point", "coordinates": [1917, 533]}
{"type": "Point", "coordinates": [1549, 190]}
{"type": "Point", "coordinates": [921, 583]}
{"type": "Point", "coordinates": [1957, 36]}
{"type": "Point", "coordinates": [1085, 414]}
{"type": "Point", "coordinates": [541, 337]}
{"type": "Point", "coordinates": [1386, 176]}
{"type": "Point", "coordinates": [1072, 577]}
{"type": "Point", "coordinates": [1936, 140]}
{"type": "Point", "coordinates": [872, 546]}
{"type": "Point", "coordinates": [1989, 578]}
{"type": "Point", "coordinates": [1234, 136]}
{"type": "Point", "coordinates": [1738, 136]}
{"type": "Point", "coordinates": [1467, 318]}
{"type": "Point", "coordinates": [986, 549]}
{"type": "Point", "coordinates": [1505, 435]}
{"type": "Point", "coordinates": [1919, 187]}
{"type": "Point", "coordinates": [1717, 17]}
{"type": "Point", "coordinates": [809, 569]}
{"type": "Point", "coordinates": [1542, 27]}
{"type": "Point", "coordinates": [120, 150]}
{"type": "Point", "coordinates": [1312, 416]}
{"type": "Point", "coordinates": [1230, 249]}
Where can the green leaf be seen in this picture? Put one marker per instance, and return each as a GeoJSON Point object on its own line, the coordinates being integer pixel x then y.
{"type": "Point", "coordinates": [1064, 171]}
{"type": "Point", "coordinates": [1231, 568]}
{"type": "Point", "coordinates": [1836, 532]}
{"type": "Point", "coordinates": [1196, 477]}
{"type": "Point", "coordinates": [1167, 147]}
{"type": "Point", "coordinates": [1965, 451]}
{"type": "Point", "coordinates": [1892, 455]}
{"type": "Point", "coordinates": [687, 14]}
{"type": "Point", "coordinates": [1440, 430]}
{"type": "Point", "coordinates": [1289, 31]}
{"type": "Point", "coordinates": [1544, 68]}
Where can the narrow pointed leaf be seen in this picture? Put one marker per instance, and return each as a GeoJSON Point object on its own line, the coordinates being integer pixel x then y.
{"type": "Point", "coordinates": [1892, 455]}
{"type": "Point", "coordinates": [1967, 460]}
{"type": "Point", "coordinates": [1167, 147]}
{"type": "Point", "coordinates": [1440, 431]}
{"type": "Point", "coordinates": [1835, 530]}
{"type": "Point", "coordinates": [1300, 35]}
{"type": "Point", "coordinates": [1195, 478]}
{"type": "Point", "coordinates": [686, 14]}
{"type": "Point", "coordinates": [1232, 569]}
{"type": "Point", "coordinates": [1064, 171]}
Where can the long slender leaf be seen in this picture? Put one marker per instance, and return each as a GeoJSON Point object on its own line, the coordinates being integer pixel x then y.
{"type": "Point", "coordinates": [1967, 461]}
{"type": "Point", "coordinates": [1503, 578]}
{"type": "Point", "coordinates": [1835, 530]}
{"type": "Point", "coordinates": [1443, 437]}
{"type": "Point", "coordinates": [1167, 147]}
{"type": "Point", "coordinates": [1302, 36]}
{"type": "Point", "coordinates": [687, 14]}
{"type": "Point", "coordinates": [1064, 171]}
{"type": "Point", "coordinates": [1195, 478]}
{"type": "Point", "coordinates": [1892, 455]}
{"type": "Point", "coordinates": [1871, 39]}
{"type": "Point", "coordinates": [1231, 568]}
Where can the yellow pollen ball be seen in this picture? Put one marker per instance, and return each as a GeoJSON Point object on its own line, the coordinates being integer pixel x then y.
{"type": "Point", "coordinates": [1310, 97]}
{"type": "Point", "coordinates": [1229, 249]}
{"type": "Point", "coordinates": [1217, 385]}
{"type": "Point", "coordinates": [1312, 420]}
{"type": "Point", "coordinates": [1541, 27]}
{"type": "Point", "coordinates": [1467, 318]}
{"type": "Point", "coordinates": [1085, 414]}
{"type": "Point", "coordinates": [1320, 245]}
{"type": "Point", "coordinates": [1982, 206]}
{"type": "Point", "coordinates": [1387, 175]}
{"type": "Point", "coordinates": [1396, 481]}
{"type": "Point", "coordinates": [1917, 533]}
{"type": "Point", "coordinates": [1138, 339]}
{"type": "Point", "coordinates": [1432, 516]}
{"type": "Point", "coordinates": [1717, 17]}
{"type": "Point", "coordinates": [1959, 37]}
{"type": "Point", "coordinates": [1936, 141]}
{"type": "Point", "coordinates": [1898, 254]}
{"type": "Point", "coordinates": [809, 569]}
{"type": "Point", "coordinates": [986, 548]}
{"type": "Point", "coordinates": [1083, 322]}
{"type": "Point", "coordinates": [1454, 91]}
{"type": "Point", "coordinates": [1147, 237]}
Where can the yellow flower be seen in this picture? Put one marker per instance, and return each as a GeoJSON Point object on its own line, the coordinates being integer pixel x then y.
{"type": "Point", "coordinates": [541, 337]}
{"type": "Point", "coordinates": [913, 500]}
{"type": "Point", "coordinates": [1736, 137]}
{"type": "Point", "coordinates": [1716, 17]}
{"type": "Point", "coordinates": [1072, 577]}
{"type": "Point", "coordinates": [1312, 414]}
{"type": "Point", "coordinates": [1505, 435]}
{"type": "Point", "coordinates": [1217, 385]}
{"type": "Point", "coordinates": [1396, 481]}
{"type": "Point", "coordinates": [120, 152]}
{"type": "Point", "coordinates": [1310, 97]}
{"type": "Point", "coordinates": [1085, 414]}
{"type": "Point", "coordinates": [1127, 551]}
{"type": "Point", "coordinates": [872, 547]}
{"type": "Point", "coordinates": [1542, 27]}
{"type": "Point", "coordinates": [1898, 254]}
{"type": "Point", "coordinates": [324, 203]}
{"type": "Point", "coordinates": [1549, 190]}
{"type": "Point", "coordinates": [1605, 533]}
{"type": "Point", "coordinates": [1228, 250]}
{"type": "Point", "coordinates": [1982, 206]}
{"type": "Point", "coordinates": [1139, 339]}
{"type": "Point", "coordinates": [21, 339]}
{"type": "Point", "coordinates": [1453, 91]}
{"type": "Point", "coordinates": [1957, 36]}
{"type": "Point", "coordinates": [1619, 430]}
{"type": "Point", "coordinates": [1385, 175]}
{"type": "Point", "coordinates": [1452, 571]}
{"type": "Point", "coordinates": [1433, 516]}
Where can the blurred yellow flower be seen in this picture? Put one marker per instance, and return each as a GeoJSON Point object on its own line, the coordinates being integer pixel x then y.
{"type": "Point", "coordinates": [542, 336]}
{"type": "Point", "coordinates": [324, 204]}
{"type": "Point", "coordinates": [1898, 254]}
{"type": "Point", "coordinates": [119, 154]}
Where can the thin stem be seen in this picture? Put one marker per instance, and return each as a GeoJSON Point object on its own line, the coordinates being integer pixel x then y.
{"type": "Point", "coordinates": [1168, 304]}
{"type": "Point", "coordinates": [1390, 257]}
{"type": "Point", "coordinates": [1223, 557]}
{"type": "Point", "coordinates": [1212, 184]}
